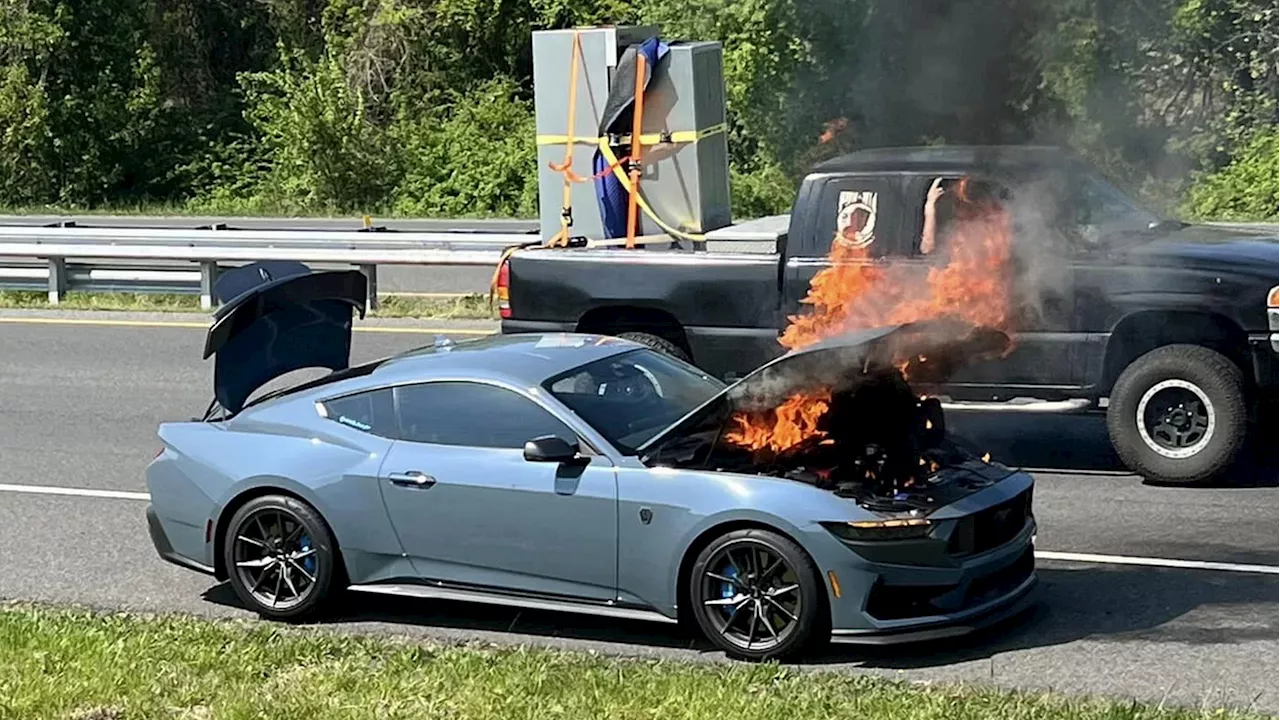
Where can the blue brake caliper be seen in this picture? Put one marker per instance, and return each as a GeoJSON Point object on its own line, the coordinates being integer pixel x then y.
{"type": "Point", "coordinates": [308, 562]}
{"type": "Point", "coordinates": [726, 589]}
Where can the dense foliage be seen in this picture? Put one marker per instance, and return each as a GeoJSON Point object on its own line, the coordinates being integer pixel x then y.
{"type": "Point", "coordinates": [425, 108]}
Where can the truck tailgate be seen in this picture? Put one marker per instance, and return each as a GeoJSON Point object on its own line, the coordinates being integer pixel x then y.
{"type": "Point", "coordinates": [700, 289]}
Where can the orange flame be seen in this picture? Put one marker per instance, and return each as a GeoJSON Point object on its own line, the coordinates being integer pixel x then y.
{"type": "Point", "coordinates": [858, 291]}
{"type": "Point", "coordinates": [831, 129]}
{"type": "Point", "coordinates": [784, 427]}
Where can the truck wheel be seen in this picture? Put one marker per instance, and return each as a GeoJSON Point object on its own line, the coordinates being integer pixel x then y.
{"type": "Point", "coordinates": [660, 344]}
{"type": "Point", "coordinates": [1178, 414]}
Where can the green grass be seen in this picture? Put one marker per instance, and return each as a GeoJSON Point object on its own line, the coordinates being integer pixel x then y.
{"type": "Point", "coordinates": [462, 307]}
{"type": "Point", "coordinates": [61, 663]}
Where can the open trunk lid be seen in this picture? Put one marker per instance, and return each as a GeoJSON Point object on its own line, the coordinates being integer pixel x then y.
{"type": "Point", "coordinates": [278, 318]}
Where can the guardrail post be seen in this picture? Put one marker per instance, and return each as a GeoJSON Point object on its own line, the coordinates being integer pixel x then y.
{"type": "Point", "coordinates": [208, 276]}
{"type": "Point", "coordinates": [57, 279]}
{"type": "Point", "coordinates": [371, 272]}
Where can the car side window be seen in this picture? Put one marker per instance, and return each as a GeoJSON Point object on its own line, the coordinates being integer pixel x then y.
{"type": "Point", "coordinates": [857, 212]}
{"type": "Point", "coordinates": [371, 412]}
{"type": "Point", "coordinates": [474, 415]}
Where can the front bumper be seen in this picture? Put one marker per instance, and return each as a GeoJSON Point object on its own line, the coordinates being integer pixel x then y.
{"type": "Point", "coordinates": [165, 548]}
{"type": "Point", "coordinates": [974, 571]}
{"type": "Point", "coordinates": [1007, 604]}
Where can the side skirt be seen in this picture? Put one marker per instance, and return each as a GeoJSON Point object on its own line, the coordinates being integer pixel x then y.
{"type": "Point", "coordinates": [439, 591]}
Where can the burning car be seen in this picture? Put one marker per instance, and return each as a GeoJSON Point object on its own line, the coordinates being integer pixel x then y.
{"type": "Point", "coordinates": [820, 498]}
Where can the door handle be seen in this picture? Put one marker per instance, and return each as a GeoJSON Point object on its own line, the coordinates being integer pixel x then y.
{"type": "Point", "coordinates": [412, 478]}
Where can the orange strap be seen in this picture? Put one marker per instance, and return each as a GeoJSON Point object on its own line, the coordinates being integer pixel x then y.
{"type": "Point", "coordinates": [561, 238]}
{"type": "Point", "coordinates": [637, 120]}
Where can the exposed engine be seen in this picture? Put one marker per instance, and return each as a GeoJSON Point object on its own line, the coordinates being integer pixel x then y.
{"type": "Point", "coordinates": [863, 431]}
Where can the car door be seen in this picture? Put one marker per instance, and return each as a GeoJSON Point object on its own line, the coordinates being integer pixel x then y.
{"type": "Point", "coordinates": [1045, 350]}
{"type": "Point", "coordinates": [469, 509]}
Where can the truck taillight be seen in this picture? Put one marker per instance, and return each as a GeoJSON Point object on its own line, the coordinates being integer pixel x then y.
{"type": "Point", "coordinates": [504, 289]}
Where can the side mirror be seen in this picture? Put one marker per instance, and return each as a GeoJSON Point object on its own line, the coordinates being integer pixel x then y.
{"type": "Point", "coordinates": [553, 449]}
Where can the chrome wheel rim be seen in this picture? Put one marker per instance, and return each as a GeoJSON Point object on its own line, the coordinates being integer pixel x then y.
{"type": "Point", "coordinates": [275, 559]}
{"type": "Point", "coordinates": [1176, 419]}
{"type": "Point", "coordinates": [750, 595]}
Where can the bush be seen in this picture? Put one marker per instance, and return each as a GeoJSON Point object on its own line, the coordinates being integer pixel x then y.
{"type": "Point", "coordinates": [475, 157]}
{"type": "Point", "coordinates": [1246, 189]}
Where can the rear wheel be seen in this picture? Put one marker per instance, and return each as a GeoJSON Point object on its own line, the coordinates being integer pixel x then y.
{"type": "Point", "coordinates": [281, 557]}
{"type": "Point", "coordinates": [755, 595]}
{"type": "Point", "coordinates": [1178, 414]}
{"type": "Point", "coordinates": [660, 344]}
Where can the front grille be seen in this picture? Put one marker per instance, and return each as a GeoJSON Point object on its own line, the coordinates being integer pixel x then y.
{"type": "Point", "coordinates": [993, 527]}
{"type": "Point", "coordinates": [900, 602]}
{"type": "Point", "coordinates": [1001, 582]}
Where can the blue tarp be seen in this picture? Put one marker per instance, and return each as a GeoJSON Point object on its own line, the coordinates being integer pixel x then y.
{"type": "Point", "coordinates": [611, 193]}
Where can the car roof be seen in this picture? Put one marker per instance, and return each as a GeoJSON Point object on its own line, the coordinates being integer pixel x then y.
{"type": "Point", "coordinates": [943, 157]}
{"type": "Point", "coordinates": [524, 359]}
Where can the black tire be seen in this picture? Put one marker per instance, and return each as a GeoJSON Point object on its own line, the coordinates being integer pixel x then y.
{"type": "Point", "coordinates": [1203, 393]}
{"type": "Point", "coordinates": [724, 626]}
{"type": "Point", "coordinates": [660, 344]}
{"type": "Point", "coordinates": [308, 531]}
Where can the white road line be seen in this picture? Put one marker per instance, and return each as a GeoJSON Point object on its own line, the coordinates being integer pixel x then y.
{"type": "Point", "coordinates": [1156, 562]}
{"type": "Point", "coordinates": [78, 492]}
{"type": "Point", "coordinates": [1040, 554]}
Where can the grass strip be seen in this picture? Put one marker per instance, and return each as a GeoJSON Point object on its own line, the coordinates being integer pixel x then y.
{"type": "Point", "coordinates": [69, 663]}
{"type": "Point", "coordinates": [461, 307]}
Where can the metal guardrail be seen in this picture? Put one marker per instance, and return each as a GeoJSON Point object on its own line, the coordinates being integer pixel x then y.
{"type": "Point", "coordinates": [204, 252]}
{"type": "Point", "coordinates": [58, 256]}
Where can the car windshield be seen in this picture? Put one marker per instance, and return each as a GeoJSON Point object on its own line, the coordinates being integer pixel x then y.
{"type": "Point", "coordinates": [630, 398]}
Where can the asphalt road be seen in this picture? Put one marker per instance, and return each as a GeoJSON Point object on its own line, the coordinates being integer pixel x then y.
{"type": "Point", "coordinates": [80, 403]}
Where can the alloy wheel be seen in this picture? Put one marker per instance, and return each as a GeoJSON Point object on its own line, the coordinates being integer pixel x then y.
{"type": "Point", "coordinates": [751, 596]}
{"type": "Point", "coordinates": [1175, 419]}
{"type": "Point", "coordinates": [275, 559]}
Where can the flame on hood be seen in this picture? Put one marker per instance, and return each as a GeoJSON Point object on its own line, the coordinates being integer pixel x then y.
{"type": "Point", "coordinates": [787, 397]}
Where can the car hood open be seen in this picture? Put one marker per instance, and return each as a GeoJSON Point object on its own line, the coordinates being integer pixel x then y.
{"type": "Point", "coordinates": [928, 351]}
{"type": "Point", "coordinates": [281, 318]}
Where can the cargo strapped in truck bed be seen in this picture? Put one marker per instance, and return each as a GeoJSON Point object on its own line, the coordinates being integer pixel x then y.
{"type": "Point", "coordinates": [614, 175]}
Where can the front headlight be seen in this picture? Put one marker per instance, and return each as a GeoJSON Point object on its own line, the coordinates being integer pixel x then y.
{"type": "Point", "coordinates": [1273, 316]}
{"type": "Point", "coordinates": [880, 530]}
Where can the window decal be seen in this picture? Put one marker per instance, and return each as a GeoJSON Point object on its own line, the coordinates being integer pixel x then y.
{"type": "Point", "coordinates": [355, 423]}
{"type": "Point", "coordinates": [856, 218]}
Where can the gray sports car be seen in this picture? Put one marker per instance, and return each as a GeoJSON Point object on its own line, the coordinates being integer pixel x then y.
{"type": "Point", "coordinates": [818, 499]}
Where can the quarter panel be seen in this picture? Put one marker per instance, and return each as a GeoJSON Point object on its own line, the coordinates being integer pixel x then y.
{"type": "Point", "coordinates": [328, 465]}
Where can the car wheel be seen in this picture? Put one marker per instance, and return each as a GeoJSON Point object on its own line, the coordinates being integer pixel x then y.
{"type": "Point", "coordinates": [755, 595]}
{"type": "Point", "coordinates": [280, 557]}
{"type": "Point", "coordinates": [660, 344]}
{"type": "Point", "coordinates": [1178, 414]}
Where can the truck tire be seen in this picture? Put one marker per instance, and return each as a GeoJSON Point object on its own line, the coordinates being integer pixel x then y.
{"type": "Point", "coordinates": [1178, 415]}
{"type": "Point", "coordinates": [660, 344]}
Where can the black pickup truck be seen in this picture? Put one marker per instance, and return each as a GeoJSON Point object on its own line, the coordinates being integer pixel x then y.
{"type": "Point", "coordinates": [1171, 328]}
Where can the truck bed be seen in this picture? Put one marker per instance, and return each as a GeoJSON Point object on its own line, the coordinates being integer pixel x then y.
{"type": "Point", "coordinates": [569, 288]}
